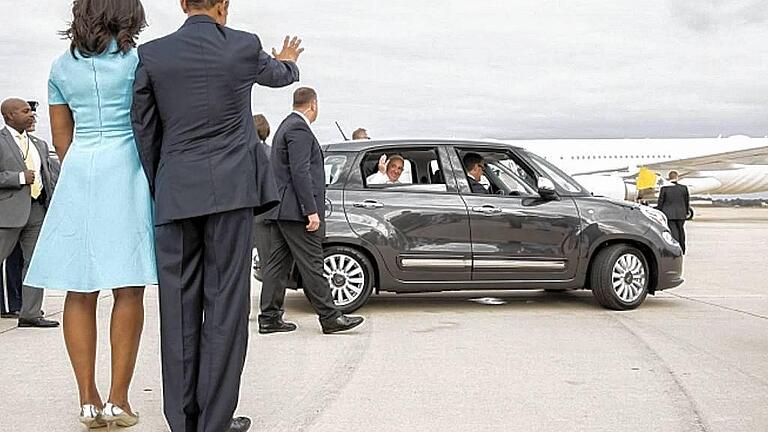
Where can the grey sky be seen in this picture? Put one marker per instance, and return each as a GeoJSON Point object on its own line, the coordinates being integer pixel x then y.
{"type": "Point", "coordinates": [481, 68]}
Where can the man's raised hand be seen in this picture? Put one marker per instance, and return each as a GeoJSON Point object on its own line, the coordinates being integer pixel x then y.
{"type": "Point", "coordinates": [383, 164]}
{"type": "Point", "coordinates": [291, 50]}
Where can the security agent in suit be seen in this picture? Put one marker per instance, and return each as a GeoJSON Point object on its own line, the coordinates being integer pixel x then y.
{"type": "Point", "coordinates": [260, 229]}
{"type": "Point", "coordinates": [26, 188]}
{"type": "Point", "coordinates": [192, 121]}
{"type": "Point", "coordinates": [10, 284]}
{"type": "Point", "coordinates": [297, 229]}
{"type": "Point", "coordinates": [11, 268]}
{"type": "Point", "coordinates": [674, 202]}
{"type": "Point", "coordinates": [474, 164]}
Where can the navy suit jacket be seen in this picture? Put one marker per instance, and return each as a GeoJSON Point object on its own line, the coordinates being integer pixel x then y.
{"type": "Point", "coordinates": [298, 165]}
{"type": "Point", "coordinates": [674, 201]}
{"type": "Point", "coordinates": [192, 119]}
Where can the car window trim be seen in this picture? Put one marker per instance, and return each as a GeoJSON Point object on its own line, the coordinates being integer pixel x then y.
{"type": "Point", "coordinates": [465, 185]}
{"type": "Point", "coordinates": [358, 168]}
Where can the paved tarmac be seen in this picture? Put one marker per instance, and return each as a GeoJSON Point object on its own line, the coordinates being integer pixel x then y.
{"type": "Point", "coordinates": [691, 359]}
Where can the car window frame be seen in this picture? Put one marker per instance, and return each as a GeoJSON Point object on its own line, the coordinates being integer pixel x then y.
{"type": "Point", "coordinates": [464, 185]}
{"type": "Point", "coordinates": [561, 191]}
{"type": "Point", "coordinates": [345, 170]}
{"type": "Point", "coordinates": [355, 181]}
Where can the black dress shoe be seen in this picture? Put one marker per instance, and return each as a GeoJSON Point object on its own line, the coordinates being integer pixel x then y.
{"type": "Point", "coordinates": [38, 322]}
{"type": "Point", "coordinates": [340, 324]}
{"type": "Point", "coordinates": [276, 327]}
{"type": "Point", "coordinates": [239, 424]}
{"type": "Point", "coordinates": [14, 315]}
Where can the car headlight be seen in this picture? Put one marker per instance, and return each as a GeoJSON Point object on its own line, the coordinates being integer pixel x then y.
{"type": "Point", "coordinates": [654, 215]}
{"type": "Point", "coordinates": [667, 236]}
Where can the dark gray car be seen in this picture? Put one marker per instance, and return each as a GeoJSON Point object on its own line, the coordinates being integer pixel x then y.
{"type": "Point", "coordinates": [535, 228]}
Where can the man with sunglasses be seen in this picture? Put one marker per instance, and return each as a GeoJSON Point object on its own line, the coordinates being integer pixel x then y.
{"type": "Point", "coordinates": [474, 164]}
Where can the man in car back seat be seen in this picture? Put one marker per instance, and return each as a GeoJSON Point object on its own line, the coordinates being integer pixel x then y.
{"type": "Point", "coordinates": [389, 170]}
{"type": "Point", "coordinates": [474, 164]}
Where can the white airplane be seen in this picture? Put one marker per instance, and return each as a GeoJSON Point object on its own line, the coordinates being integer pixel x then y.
{"type": "Point", "coordinates": [622, 168]}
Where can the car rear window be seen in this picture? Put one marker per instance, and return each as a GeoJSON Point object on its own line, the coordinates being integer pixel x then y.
{"type": "Point", "coordinates": [334, 167]}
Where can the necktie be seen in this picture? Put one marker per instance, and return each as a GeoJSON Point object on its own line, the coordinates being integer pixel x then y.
{"type": "Point", "coordinates": [30, 163]}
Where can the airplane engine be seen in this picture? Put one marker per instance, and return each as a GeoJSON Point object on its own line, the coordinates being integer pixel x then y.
{"type": "Point", "coordinates": [608, 186]}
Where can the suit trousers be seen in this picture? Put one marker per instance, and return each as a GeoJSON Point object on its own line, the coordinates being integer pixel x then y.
{"type": "Point", "coordinates": [261, 241]}
{"type": "Point", "coordinates": [677, 228]}
{"type": "Point", "coordinates": [31, 298]}
{"type": "Point", "coordinates": [204, 275]}
{"type": "Point", "coordinates": [288, 240]}
{"type": "Point", "coordinates": [10, 284]}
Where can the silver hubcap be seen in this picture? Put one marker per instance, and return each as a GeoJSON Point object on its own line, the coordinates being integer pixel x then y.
{"type": "Point", "coordinates": [345, 276]}
{"type": "Point", "coordinates": [628, 278]}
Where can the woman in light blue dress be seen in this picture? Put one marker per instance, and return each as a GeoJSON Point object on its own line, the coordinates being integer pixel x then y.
{"type": "Point", "coordinates": [98, 231]}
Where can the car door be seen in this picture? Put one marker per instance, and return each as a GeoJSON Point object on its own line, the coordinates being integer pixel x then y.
{"type": "Point", "coordinates": [420, 226]}
{"type": "Point", "coordinates": [516, 234]}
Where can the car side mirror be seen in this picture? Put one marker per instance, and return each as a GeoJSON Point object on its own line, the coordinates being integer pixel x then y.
{"type": "Point", "coordinates": [546, 188]}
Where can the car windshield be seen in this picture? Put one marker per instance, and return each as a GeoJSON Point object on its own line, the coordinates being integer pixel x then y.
{"type": "Point", "coordinates": [510, 174]}
{"type": "Point", "coordinates": [560, 178]}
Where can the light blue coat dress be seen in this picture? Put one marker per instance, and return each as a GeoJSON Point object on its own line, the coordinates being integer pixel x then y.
{"type": "Point", "coordinates": [98, 232]}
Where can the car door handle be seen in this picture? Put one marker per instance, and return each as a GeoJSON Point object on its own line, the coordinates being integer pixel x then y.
{"type": "Point", "coordinates": [368, 204]}
{"type": "Point", "coordinates": [486, 209]}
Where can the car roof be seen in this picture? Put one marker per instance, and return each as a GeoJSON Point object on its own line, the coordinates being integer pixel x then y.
{"type": "Point", "coordinates": [365, 145]}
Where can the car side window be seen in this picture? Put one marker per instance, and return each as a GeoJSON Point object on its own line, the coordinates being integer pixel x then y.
{"type": "Point", "coordinates": [334, 164]}
{"type": "Point", "coordinates": [403, 169]}
{"type": "Point", "coordinates": [501, 173]}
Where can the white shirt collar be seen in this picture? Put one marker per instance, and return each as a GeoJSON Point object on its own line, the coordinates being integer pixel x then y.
{"type": "Point", "coordinates": [304, 117]}
{"type": "Point", "coordinates": [16, 135]}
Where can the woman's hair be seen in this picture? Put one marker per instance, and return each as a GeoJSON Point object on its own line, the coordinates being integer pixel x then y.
{"type": "Point", "coordinates": [262, 126]}
{"type": "Point", "coordinates": [96, 22]}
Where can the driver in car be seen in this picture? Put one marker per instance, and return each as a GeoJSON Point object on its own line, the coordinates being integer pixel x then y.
{"type": "Point", "coordinates": [474, 164]}
{"type": "Point", "coordinates": [389, 171]}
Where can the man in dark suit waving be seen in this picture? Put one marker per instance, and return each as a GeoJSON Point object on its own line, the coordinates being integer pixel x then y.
{"type": "Point", "coordinates": [192, 120]}
{"type": "Point", "coordinates": [297, 228]}
{"type": "Point", "coordinates": [674, 202]}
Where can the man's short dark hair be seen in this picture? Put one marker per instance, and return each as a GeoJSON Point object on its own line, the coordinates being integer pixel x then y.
{"type": "Point", "coordinates": [470, 160]}
{"type": "Point", "coordinates": [203, 4]}
{"type": "Point", "coordinates": [303, 96]}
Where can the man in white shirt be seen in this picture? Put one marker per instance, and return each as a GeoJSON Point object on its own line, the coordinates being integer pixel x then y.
{"type": "Point", "coordinates": [389, 171]}
{"type": "Point", "coordinates": [25, 190]}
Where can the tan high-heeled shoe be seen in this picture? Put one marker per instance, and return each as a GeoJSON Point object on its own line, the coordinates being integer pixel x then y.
{"type": "Point", "coordinates": [91, 417]}
{"type": "Point", "coordinates": [114, 414]}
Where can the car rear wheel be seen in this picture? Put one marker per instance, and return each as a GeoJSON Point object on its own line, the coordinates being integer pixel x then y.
{"type": "Point", "coordinates": [350, 276]}
{"type": "Point", "coordinates": [619, 277]}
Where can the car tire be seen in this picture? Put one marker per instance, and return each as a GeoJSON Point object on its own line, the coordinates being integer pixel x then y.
{"type": "Point", "coordinates": [620, 277]}
{"type": "Point", "coordinates": [350, 276]}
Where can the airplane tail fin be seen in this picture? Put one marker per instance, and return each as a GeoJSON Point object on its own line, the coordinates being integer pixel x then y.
{"type": "Point", "coordinates": [646, 179]}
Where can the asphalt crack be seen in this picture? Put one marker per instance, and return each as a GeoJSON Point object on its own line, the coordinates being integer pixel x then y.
{"type": "Point", "coordinates": [692, 407]}
{"type": "Point", "coordinates": [719, 306]}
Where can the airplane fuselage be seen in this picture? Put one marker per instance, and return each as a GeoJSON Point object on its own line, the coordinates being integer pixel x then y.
{"type": "Point", "coordinates": [602, 157]}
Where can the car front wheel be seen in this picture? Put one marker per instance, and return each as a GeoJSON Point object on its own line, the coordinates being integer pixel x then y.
{"type": "Point", "coordinates": [619, 277]}
{"type": "Point", "coordinates": [350, 277]}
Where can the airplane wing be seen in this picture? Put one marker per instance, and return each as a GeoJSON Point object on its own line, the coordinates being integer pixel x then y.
{"type": "Point", "coordinates": [715, 162]}
{"type": "Point", "coordinates": [617, 170]}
